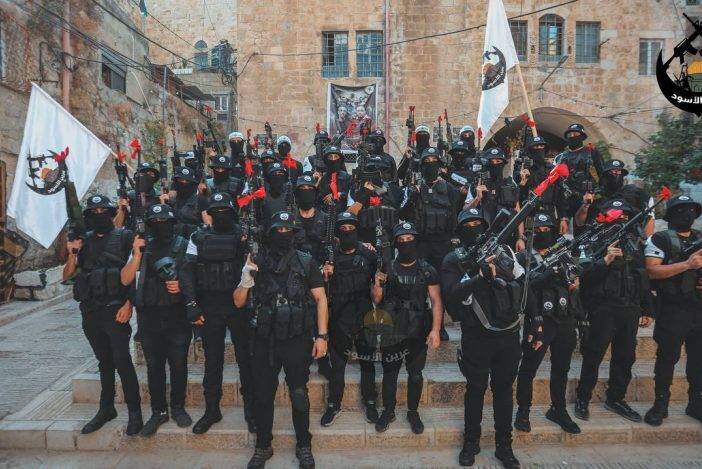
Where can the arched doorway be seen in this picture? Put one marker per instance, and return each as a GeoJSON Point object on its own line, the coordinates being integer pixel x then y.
{"type": "Point", "coordinates": [551, 122]}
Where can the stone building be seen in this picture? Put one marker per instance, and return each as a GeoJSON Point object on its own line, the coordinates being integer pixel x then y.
{"type": "Point", "coordinates": [115, 89]}
{"type": "Point", "coordinates": [288, 54]}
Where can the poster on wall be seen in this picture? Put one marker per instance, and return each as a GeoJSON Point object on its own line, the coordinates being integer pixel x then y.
{"type": "Point", "coordinates": [354, 106]}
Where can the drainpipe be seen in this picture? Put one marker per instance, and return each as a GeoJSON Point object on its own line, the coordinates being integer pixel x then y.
{"type": "Point", "coordinates": [66, 47]}
{"type": "Point", "coordinates": [386, 66]}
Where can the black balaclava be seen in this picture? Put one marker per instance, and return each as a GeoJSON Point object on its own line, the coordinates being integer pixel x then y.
{"type": "Point", "coordinates": [458, 159]}
{"type": "Point", "coordinates": [378, 146]}
{"type": "Point", "coordinates": [406, 251]}
{"type": "Point", "coordinates": [223, 220]}
{"type": "Point", "coordinates": [470, 140]}
{"type": "Point", "coordinates": [422, 142]}
{"type": "Point", "coordinates": [348, 240]}
{"type": "Point", "coordinates": [538, 156]}
{"type": "Point", "coordinates": [237, 149]}
{"type": "Point", "coordinates": [430, 170]}
{"type": "Point", "coordinates": [146, 181]}
{"type": "Point", "coordinates": [283, 149]}
{"type": "Point", "coordinates": [305, 199]}
{"type": "Point", "coordinates": [277, 182]}
{"type": "Point", "coordinates": [184, 188]}
{"type": "Point", "coordinates": [280, 242]}
{"type": "Point", "coordinates": [543, 239]}
{"type": "Point", "coordinates": [496, 170]}
{"type": "Point", "coordinates": [101, 223]}
{"type": "Point", "coordinates": [611, 183]}
{"type": "Point", "coordinates": [220, 174]}
{"type": "Point", "coordinates": [162, 231]}
{"type": "Point", "coordinates": [333, 166]}
{"type": "Point", "coordinates": [575, 141]}
{"type": "Point", "coordinates": [470, 234]}
{"type": "Point", "coordinates": [682, 218]}
{"type": "Point", "coordinates": [265, 163]}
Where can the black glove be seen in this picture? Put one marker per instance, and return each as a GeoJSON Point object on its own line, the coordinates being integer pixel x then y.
{"type": "Point", "coordinates": [536, 330]}
{"type": "Point", "coordinates": [193, 311]}
{"type": "Point", "coordinates": [583, 326]}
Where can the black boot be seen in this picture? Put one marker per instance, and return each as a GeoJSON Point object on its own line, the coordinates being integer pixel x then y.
{"type": "Point", "coordinates": [621, 408]}
{"type": "Point", "coordinates": [384, 420]}
{"type": "Point", "coordinates": [521, 420]}
{"type": "Point", "coordinates": [415, 422]}
{"type": "Point", "coordinates": [582, 410]}
{"type": "Point", "coordinates": [103, 416]}
{"type": "Point", "coordinates": [212, 416]}
{"type": "Point", "coordinates": [371, 412]}
{"type": "Point", "coordinates": [561, 418]}
{"type": "Point", "coordinates": [504, 453]}
{"type": "Point", "coordinates": [249, 414]}
{"type": "Point", "coordinates": [694, 408]}
{"type": "Point", "coordinates": [157, 419]}
{"type": "Point", "coordinates": [181, 417]}
{"type": "Point", "coordinates": [304, 456]}
{"type": "Point", "coordinates": [657, 412]}
{"type": "Point", "coordinates": [467, 455]}
{"type": "Point", "coordinates": [135, 423]}
{"type": "Point", "coordinates": [259, 458]}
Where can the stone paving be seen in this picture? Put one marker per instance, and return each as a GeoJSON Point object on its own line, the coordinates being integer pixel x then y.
{"type": "Point", "coordinates": [38, 349]}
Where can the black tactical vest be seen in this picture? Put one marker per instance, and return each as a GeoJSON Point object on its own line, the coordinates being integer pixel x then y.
{"type": "Point", "coordinates": [155, 292]}
{"type": "Point", "coordinates": [231, 186]}
{"type": "Point", "coordinates": [310, 239]}
{"type": "Point", "coordinates": [188, 216]}
{"type": "Point", "coordinates": [219, 262]}
{"type": "Point", "coordinates": [681, 287]}
{"type": "Point", "coordinates": [285, 310]}
{"type": "Point", "coordinates": [349, 291]}
{"type": "Point", "coordinates": [624, 279]}
{"type": "Point", "coordinates": [434, 212]}
{"type": "Point", "coordinates": [411, 314]}
{"type": "Point", "coordinates": [98, 282]}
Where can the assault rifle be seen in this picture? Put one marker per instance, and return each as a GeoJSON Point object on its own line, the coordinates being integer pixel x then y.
{"type": "Point", "coordinates": [449, 138]}
{"type": "Point", "coordinates": [441, 146]}
{"type": "Point", "coordinates": [215, 142]}
{"type": "Point", "coordinates": [269, 136]}
{"type": "Point", "coordinates": [122, 176]}
{"type": "Point", "coordinates": [76, 223]}
{"type": "Point", "coordinates": [199, 152]}
{"type": "Point", "coordinates": [177, 156]}
{"type": "Point", "coordinates": [685, 46]}
{"type": "Point", "coordinates": [141, 187]}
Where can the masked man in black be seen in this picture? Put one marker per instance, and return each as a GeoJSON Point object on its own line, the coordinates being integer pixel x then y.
{"type": "Point", "coordinates": [335, 184]}
{"type": "Point", "coordinates": [349, 279]}
{"type": "Point", "coordinates": [187, 204]}
{"type": "Point", "coordinates": [277, 197]}
{"type": "Point", "coordinates": [615, 291]}
{"type": "Point", "coordinates": [315, 163]}
{"type": "Point", "coordinates": [377, 139]}
{"type": "Point", "coordinates": [237, 154]}
{"type": "Point", "coordinates": [486, 300]}
{"type": "Point", "coordinates": [674, 263]}
{"type": "Point", "coordinates": [314, 223]}
{"type": "Point", "coordinates": [222, 179]}
{"type": "Point", "coordinates": [95, 262]}
{"type": "Point", "coordinates": [551, 327]}
{"type": "Point", "coordinates": [146, 177]}
{"type": "Point", "coordinates": [461, 172]}
{"type": "Point", "coordinates": [403, 292]}
{"type": "Point", "coordinates": [291, 165]}
{"type": "Point", "coordinates": [211, 272]}
{"type": "Point", "coordinates": [290, 310]}
{"type": "Point", "coordinates": [165, 330]}
{"type": "Point", "coordinates": [535, 170]}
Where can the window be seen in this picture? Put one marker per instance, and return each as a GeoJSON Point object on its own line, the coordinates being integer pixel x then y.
{"type": "Point", "coordinates": [222, 118]}
{"type": "Point", "coordinates": [201, 45]}
{"type": "Point", "coordinates": [201, 59]}
{"type": "Point", "coordinates": [648, 54]}
{"type": "Point", "coordinates": [370, 54]}
{"type": "Point", "coordinates": [221, 103]}
{"type": "Point", "coordinates": [550, 38]}
{"type": "Point", "coordinates": [335, 55]}
{"type": "Point", "coordinates": [114, 72]}
{"type": "Point", "coordinates": [519, 36]}
{"type": "Point", "coordinates": [587, 42]}
{"type": "Point", "coordinates": [693, 2]}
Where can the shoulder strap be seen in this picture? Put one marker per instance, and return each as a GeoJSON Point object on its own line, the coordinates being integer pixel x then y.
{"type": "Point", "coordinates": [674, 245]}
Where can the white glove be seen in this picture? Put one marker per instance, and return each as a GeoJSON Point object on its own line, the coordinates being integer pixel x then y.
{"type": "Point", "coordinates": [247, 278]}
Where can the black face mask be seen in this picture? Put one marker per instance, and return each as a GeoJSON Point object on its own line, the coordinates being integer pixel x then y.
{"type": "Point", "coordinates": [100, 222]}
{"type": "Point", "coordinates": [470, 141]}
{"type": "Point", "coordinates": [406, 252]}
{"type": "Point", "coordinates": [305, 199]}
{"type": "Point", "coordinates": [348, 240]}
{"type": "Point", "coordinates": [162, 231]}
{"type": "Point", "coordinates": [280, 243]}
{"type": "Point", "coordinates": [283, 149]}
{"type": "Point", "coordinates": [265, 164]}
{"type": "Point", "coordinates": [220, 176]}
{"type": "Point", "coordinates": [333, 166]}
{"type": "Point", "coordinates": [681, 221]}
{"type": "Point", "coordinates": [543, 239]}
{"type": "Point", "coordinates": [470, 234]}
{"type": "Point", "coordinates": [237, 149]}
{"type": "Point", "coordinates": [185, 189]}
{"type": "Point", "coordinates": [145, 182]}
{"type": "Point", "coordinates": [458, 160]}
{"type": "Point", "coordinates": [495, 171]}
{"type": "Point", "coordinates": [575, 142]}
{"type": "Point", "coordinates": [277, 181]}
{"type": "Point", "coordinates": [422, 142]}
{"type": "Point", "coordinates": [538, 156]}
{"type": "Point", "coordinates": [378, 147]}
{"type": "Point", "coordinates": [430, 171]}
{"type": "Point", "coordinates": [223, 220]}
{"type": "Point", "coordinates": [612, 183]}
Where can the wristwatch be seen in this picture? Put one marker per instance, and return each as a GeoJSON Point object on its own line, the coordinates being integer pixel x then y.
{"type": "Point", "coordinates": [324, 337]}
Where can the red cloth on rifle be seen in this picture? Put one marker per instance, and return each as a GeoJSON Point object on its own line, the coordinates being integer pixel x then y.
{"type": "Point", "coordinates": [334, 186]}
{"type": "Point", "coordinates": [528, 121]}
{"type": "Point", "coordinates": [558, 172]}
{"type": "Point", "coordinates": [246, 199]}
{"type": "Point", "coordinates": [248, 168]}
{"type": "Point", "coordinates": [121, 156]}
{"type": "Point", "coordinates": [136, 148]}
{"type": "Point", "coordinates": [374, 201]}
{"type": "Point", "coordinates": [609, 217]}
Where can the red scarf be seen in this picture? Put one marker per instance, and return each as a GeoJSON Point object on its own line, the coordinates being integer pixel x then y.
{"type": "Point", "coordinates": [289, 162]}
{"type": "Point", "coordinates": [334, 186]}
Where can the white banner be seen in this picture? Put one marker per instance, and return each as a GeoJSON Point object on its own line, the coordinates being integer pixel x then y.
{"type": "Point", "coordinates": [499, 55]}
{"type": "Point", "coordinates": [55, 146]}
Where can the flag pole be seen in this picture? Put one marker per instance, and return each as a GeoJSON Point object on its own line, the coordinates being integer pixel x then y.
{"type": "Point", "coordinates": [526, 99]}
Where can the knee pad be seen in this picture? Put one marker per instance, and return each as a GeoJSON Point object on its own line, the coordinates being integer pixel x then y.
{"type": "Point", "coordinates": [300, 399]}
{"type": "Point", "coordinates": [415, 378]}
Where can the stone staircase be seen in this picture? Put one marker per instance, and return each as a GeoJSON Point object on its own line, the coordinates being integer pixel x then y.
{"type": "Point", "coordinates": [53, 420]}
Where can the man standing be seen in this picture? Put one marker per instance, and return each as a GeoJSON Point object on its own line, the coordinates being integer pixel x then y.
{"type": "Point", "coordinates": [314, 223]}
{"type": "Point", "coordinates": [673, 261]}
{"type": "Point", "coordinates": [290, 310]}
{"type": "Point", "coordinates": [96, 262]}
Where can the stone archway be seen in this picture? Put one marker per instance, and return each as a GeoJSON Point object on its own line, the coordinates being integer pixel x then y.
{"type": "Point", "coordinates": [551, 122]}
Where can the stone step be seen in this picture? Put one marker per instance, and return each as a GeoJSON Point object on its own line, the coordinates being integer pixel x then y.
{"type": "Point", "coordinates": [444, 386]}
{"type": "Point", "coordinates": [446, 353]}
{"type": "Point", "coordinates": [443, 429]}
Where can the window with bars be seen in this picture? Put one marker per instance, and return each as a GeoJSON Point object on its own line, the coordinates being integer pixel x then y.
{"type": "Point", "coordinates": [587, 42]}
{"type": "Point", "coordinates": [520, 30]}
{"type": "Point", "coordinates": [370, 53]}
{"type": "Point", "coordinates": [648, 54]}
{"type": "Point", "coordinates": [201, 60]}
{"type": "Point", "coordinates": [221, 102]}
{"type": "Point", "coordinates": [550, 38]}
{"type": "Point", "coordinates": [335, 55]}
{"type": "Point", "coordinates": [114, 72]}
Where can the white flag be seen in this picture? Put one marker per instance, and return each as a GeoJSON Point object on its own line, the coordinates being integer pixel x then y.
{"type": "Point", "coordinates": [499, 55]}
{"type": "Point", "coordinates": [37, 202]}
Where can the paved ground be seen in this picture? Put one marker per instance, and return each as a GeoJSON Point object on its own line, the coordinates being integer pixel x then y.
{"type": "Point", "coordinates": [38, 349]}
{"type": "Point", "coordinates": [600, 457]}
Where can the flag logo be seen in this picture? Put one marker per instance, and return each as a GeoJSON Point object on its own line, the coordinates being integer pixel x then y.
{"type": "Point", "coordinates": [47, 172]}
{"type": "Point", "coordinates": [494, 68]}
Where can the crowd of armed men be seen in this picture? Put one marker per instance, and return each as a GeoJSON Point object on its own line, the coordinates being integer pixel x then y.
{"type": "Point", "coordinates": [309, 262]}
